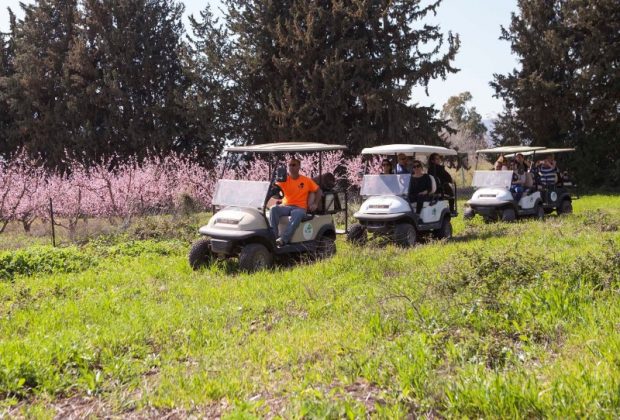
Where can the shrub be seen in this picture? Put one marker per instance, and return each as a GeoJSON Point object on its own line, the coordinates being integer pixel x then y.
{"type": "Point", "coordinates": [43, 259]}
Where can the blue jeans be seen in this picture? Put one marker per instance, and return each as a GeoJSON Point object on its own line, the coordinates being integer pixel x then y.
{"type": "Point", "coordinates": [517, 191]}
{"type": "Point", "coordinates": [296, 213]}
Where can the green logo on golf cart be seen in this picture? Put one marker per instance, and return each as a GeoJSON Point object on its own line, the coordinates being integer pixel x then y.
{"type": "Point", "coordinates": [308, 231]}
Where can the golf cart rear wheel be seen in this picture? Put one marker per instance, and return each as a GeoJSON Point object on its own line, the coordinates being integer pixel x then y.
{"type": "Point", "coordinates": [565, 207]}
{"type": "Point", "coordinates": [445, 231]}
{"type": "Point", "coordinates": [540, 212]}
{"type": "Point", "coordinates": [508, 214]}
{"type": "Point", "coordinates": [326, 247]}
{"type": "Point", "coordinates": [405, 235]}
{"type": "Point", "coordinates": [200, 254]}
{"type": "Point", "coordinates": [357, 234]}
{"type": "Point", "coordinates": [254, 257]}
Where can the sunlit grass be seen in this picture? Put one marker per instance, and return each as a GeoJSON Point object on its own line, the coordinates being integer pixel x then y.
{"type": "Point", "coordinates": [506, 320]}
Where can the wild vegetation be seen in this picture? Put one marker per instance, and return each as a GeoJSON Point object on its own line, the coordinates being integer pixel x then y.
{"type": "Point", "coordinates": [505, 320]}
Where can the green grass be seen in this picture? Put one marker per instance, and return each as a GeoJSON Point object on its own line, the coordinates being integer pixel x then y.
{"type": "Point", "coordinates": [506, 320]}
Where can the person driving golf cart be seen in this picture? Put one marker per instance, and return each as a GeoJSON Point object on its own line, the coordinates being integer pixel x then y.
{"type": "Point", "coordinates": [386, 167]}
{"type": "Point", "coordinates": [301, 194]}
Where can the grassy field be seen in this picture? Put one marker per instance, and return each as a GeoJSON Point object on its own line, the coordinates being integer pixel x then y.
{"type": "Point", "coordinates": [505, 320]}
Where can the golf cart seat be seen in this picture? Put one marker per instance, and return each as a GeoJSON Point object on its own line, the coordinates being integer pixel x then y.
{"type": "Point", "coordinates": [331, 202]}
{"type": "Point", "coordinates": [307, 217]}
{"type": "Point", "coordinates": [529, 180]}
{"type": "Point", "coordinates": [433, 185]}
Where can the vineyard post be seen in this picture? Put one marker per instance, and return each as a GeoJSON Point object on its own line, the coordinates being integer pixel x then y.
{"type": "Point", "coordinates": [52, 221]}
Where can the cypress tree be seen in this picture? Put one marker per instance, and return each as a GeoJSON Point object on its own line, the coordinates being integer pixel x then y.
{"type": "Point", "coordinates": [133, 70]}
{"type": "Point", "coordinates": [7, 58]}
{"type": "Point", "coordinates": [35, 90]}
{"type": "Point", "coordinates": [210, 105]}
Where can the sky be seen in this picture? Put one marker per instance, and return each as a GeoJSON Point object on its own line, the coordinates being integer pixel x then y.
{"type": "Point", "coordinates": [481, 54]}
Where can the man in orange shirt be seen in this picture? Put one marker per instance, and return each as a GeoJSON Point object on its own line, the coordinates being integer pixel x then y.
{"type": "Point", "coordinates": [300, 194]}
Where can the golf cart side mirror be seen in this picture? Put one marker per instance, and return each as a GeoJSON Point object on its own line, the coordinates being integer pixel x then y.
{"type": "Point", "coordinates": [281, 174]}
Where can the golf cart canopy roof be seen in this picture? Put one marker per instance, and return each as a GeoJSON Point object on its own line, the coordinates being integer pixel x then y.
{"type": "Point", "coordinates": [288, 147]}
{"type": "Point", "coordinates": [408, 149]}
{"type": "Point", "coordinates": [544, 151]}
{"type": "Point", "coordinates": [510, 149]}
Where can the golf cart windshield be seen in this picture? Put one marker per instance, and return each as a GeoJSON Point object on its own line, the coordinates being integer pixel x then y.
{"type": "Point", "coordinates": [501, 179]}
{"type": "Point", "coordinates": [240, 193]}
{"type": "Point", "coordinates": [385, 184]}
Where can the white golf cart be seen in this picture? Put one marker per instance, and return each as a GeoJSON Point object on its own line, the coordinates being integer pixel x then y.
{"type": "Point", "coordinates": [493, 199]}
{"type": "Point", "coordinates": [239, 226]}
{"type": "Point", "coordinates": [387, 212]}
{"type": "Point", "coordinates": [556, 195]}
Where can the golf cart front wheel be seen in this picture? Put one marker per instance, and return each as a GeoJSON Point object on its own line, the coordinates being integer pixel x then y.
{"type": "Point", "coordinates": [508, 214]}
{"type": "Point", "coordinates": [254, 257]}
{"type": "Point", "coordinates": [405, 235]}
{"type": "Point", "coordinates": [357, 234]}
{"type": "Point", "coordinates": [469, 213]}
{"type": "Point", "coordinates": [200, 254]}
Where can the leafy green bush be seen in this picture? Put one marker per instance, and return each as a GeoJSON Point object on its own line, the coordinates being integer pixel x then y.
{"type": "Point", "coordinates": [43, 260]}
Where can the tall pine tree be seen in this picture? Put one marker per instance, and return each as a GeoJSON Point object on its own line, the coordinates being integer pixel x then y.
{"type": "Point", "coordinates": [335, 71]}
{"type": "Point", "coordinates": [567, 90]}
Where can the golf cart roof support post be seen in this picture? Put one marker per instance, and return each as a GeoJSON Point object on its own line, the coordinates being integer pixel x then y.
{"type": "Point", "coordinates": [456, 200]}
{"type": "Point", "coordinates": [225, 165]}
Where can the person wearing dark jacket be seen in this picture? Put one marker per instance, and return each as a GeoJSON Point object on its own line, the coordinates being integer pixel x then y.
{"type": "Point", "coordinates": [420, 186]}
{"type": "Point", "coordinates": [436, 169]}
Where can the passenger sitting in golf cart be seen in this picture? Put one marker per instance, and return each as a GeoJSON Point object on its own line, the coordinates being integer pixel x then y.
{"type": "Point", "coordinates": [547, 171]}
{"type": "Point", "coordinates": [421, 186]}
{"type": "Point", "coordinates": [519, 177]}
{"type": "Point", "coordinates": [436, 169]}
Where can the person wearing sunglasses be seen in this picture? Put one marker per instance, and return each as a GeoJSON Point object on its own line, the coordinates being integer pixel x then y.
{"type": "Point", "coordinates": [301, 194]}
{"type": "Point", "coordinates": [386, 167]}
{"type": "Point", "coordinates": [420, 185]}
